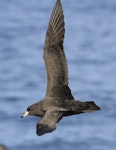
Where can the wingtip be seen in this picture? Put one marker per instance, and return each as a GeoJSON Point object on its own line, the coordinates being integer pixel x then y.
{"type": "Point", "coordinates": [59, 1]}
{"type": "Point", "coordinates": [42, 129]}
{"type": "Point", "coordinates": [56, 27]}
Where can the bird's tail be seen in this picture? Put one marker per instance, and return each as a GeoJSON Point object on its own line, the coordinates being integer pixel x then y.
{"type": "Point", "coordinates": [92, 107]}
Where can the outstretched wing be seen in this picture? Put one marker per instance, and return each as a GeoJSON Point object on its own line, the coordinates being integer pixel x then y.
{"type": "Point", "coordinates": [54, 56]}
{"type": "Point", "coordinates": [48, 122]}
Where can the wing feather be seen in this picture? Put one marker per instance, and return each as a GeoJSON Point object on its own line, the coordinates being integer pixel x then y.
{"type": "Point", "coordinates": [48, 122]}
{"type": "Point", "coordinates": [54, 57]}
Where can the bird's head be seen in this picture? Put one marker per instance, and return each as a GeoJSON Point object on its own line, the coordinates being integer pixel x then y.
{"type": "Point", "coordinates": [31, 110]}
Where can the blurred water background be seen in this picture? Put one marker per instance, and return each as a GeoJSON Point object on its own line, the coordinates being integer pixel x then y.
{"type": "Point", "coordinates": [90, 47]}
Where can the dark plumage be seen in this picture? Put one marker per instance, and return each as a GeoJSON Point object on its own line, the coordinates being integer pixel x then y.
{"type": "Point", "coordinates": [59, 101]}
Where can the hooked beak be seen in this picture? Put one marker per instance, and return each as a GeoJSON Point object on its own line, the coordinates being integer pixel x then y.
{"type": "Point", "coordinates": [25, 114]}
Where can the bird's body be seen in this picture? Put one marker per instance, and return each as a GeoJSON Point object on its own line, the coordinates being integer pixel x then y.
{"type": "Point", "coordinates": [59, 101]}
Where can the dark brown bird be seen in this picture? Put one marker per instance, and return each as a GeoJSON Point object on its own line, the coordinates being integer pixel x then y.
{"type": "Point", "coordinates": [59, 101]}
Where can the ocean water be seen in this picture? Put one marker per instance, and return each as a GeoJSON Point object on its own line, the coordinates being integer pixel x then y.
{"type": "Point", "coordinates": [90, 47]}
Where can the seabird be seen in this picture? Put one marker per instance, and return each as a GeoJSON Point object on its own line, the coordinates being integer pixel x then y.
{"type": "Point", "coordinates": [2, 147]}
{"type": "Point", "coordinates": [59, 101]}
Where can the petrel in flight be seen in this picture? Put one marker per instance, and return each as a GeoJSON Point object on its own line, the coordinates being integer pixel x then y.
{"type": "Point", "coordinates": [59, 101]}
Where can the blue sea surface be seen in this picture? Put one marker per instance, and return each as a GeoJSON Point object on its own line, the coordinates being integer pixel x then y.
{"type": "Point", "coordinates": [90, 47]}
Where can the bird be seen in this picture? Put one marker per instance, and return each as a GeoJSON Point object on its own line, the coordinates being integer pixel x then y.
{"type": "Point", "coordinates": [58, 101]}
{"type": "Point", "coordinates": [3, 147]}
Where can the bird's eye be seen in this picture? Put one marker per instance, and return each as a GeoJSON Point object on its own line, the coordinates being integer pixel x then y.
{"type": "Point", "coordinates": [28, 109]}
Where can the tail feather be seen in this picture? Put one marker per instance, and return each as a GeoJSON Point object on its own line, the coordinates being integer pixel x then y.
{"type": "Point", "coordinates": [92, 107]}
